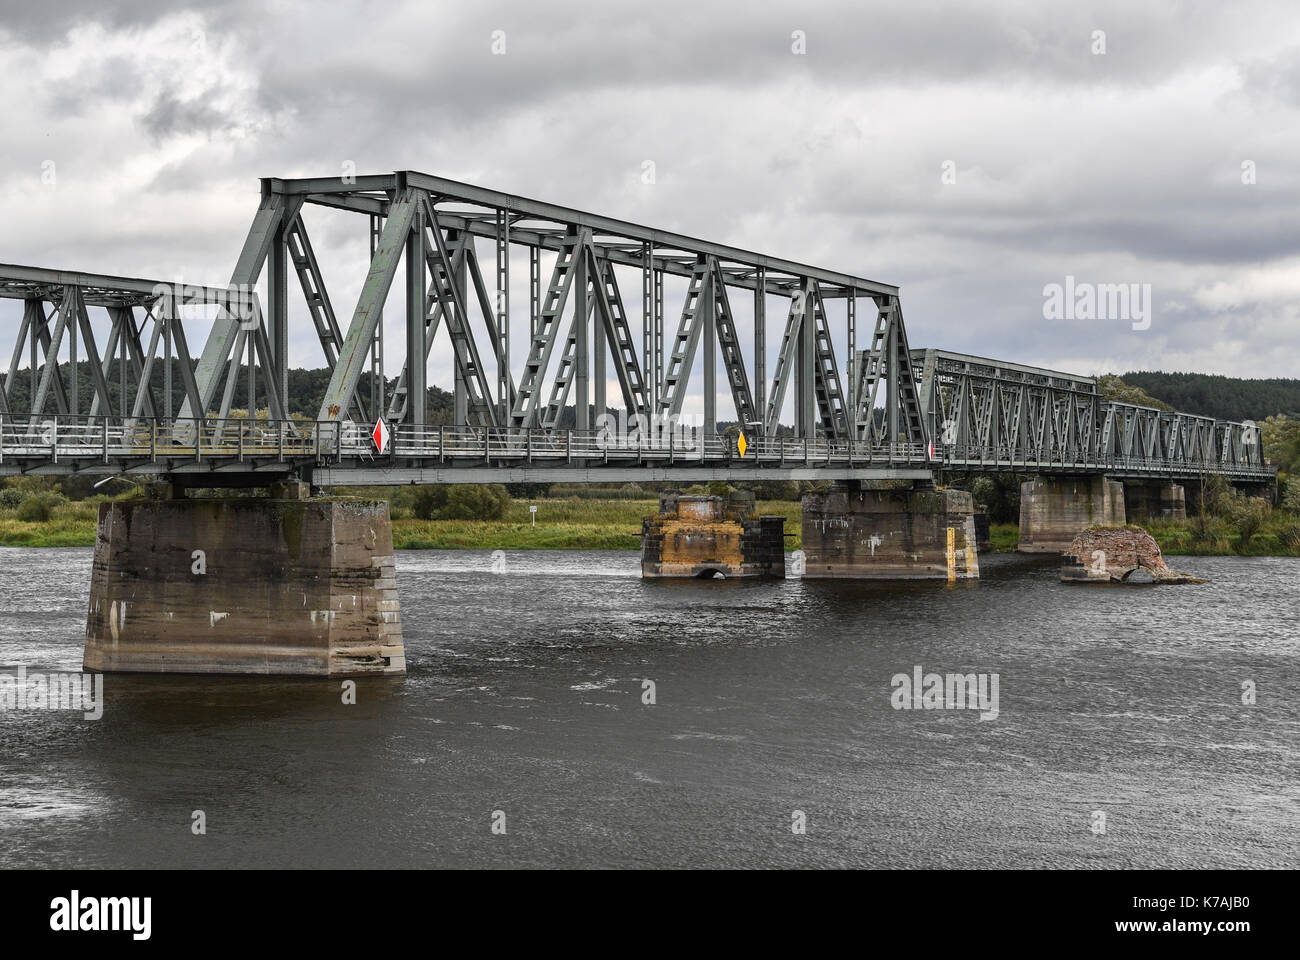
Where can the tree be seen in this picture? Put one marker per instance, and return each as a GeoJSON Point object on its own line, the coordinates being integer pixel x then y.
{"type": "Point", "coordinates": [1115, 390]}
{"type": "Point", "coordinates": [461, 501]}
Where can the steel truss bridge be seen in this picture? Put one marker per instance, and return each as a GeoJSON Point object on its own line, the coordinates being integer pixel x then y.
{"type": "Point", "coordinates": [449, 249]}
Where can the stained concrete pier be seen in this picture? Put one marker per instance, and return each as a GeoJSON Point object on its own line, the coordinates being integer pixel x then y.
{"type": "Point", "coordinates": [708, 536]}
{"type": "Point", "coordinates": [889, 534]}
{"type": "Point", "coordinates": [245, 585]}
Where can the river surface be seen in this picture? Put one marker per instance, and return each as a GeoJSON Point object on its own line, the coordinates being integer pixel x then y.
{"type": "Point", "coordinates": [523, 707]}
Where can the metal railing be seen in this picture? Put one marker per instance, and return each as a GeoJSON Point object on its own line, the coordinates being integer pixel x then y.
{"type": "Point", "coordinates": [976, 457]}
{"type": "Point", "coordinates": [32, 441]}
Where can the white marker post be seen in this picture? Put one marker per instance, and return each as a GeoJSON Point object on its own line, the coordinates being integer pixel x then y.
{"type": "Point", "coordinates": [532, 508]}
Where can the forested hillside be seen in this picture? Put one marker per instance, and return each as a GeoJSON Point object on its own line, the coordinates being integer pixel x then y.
{"type": "Point", "coordinates": [1227, 398]}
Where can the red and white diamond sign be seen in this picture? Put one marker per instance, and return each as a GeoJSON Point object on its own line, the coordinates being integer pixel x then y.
{"type": "Point", "coordinates": [380, 436]}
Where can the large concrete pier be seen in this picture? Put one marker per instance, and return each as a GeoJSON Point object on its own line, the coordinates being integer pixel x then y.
{"type": "Point", "coordinates": [245, 585]}
{"type": "Point", "coordinates": [1154, 500]}
{"type": "Point", "coordinates": [889, 534]}
{"type": "Point", "coordinates": [1054, 510]}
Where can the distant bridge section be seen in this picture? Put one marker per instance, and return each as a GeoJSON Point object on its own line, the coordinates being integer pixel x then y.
{"type": "Point", "coordinates": [993, 415]}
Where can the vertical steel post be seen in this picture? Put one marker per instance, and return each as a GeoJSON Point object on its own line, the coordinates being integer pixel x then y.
{"type": "Point", "coordinates": [708, 305]}
{"type": "Point", "coordinates": [760, 345]}
{"type": "Point", "coordinates": [460, 391]}
{"type": "Point", "coordinates": [582, 360]}
{"type": "Point", "coordinates": [805, 358]}
{"type": "Point", "coordinates": [39, 314]}
{"type": "Point", "coordinates": [128, 330]}
{"type": "Point", "coordinates": [657, 318]}
{"type": "Point", "coordinates": [647, 326]}
{"type": "Point", "coordinates": [377, 390]}
{"type": "Point", "coordinates": [74, 406]}
{"type": "Point", "coordinates": [503, 315]}
{"type": "Point", "coordinates": [252, 378]}
{"type": "Point", "coordinates": [895, 376]}
{"type": "Point", "coordinates": [277, 280]}
{"type": "Point", "coordinates": [600, 350]}
{"type": "Point", "coordinates": [851, 414]}
{"type": "Point", "coordinates": [417, 352]}
{"type": "Point", "coordinates": [534, 289]}
{"type": "Point", "coordinates": [168, 309]}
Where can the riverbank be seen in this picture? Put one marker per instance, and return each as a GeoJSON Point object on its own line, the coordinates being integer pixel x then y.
{"type": "Point", "coordinates": [562, 524]}
{"type": "Point", "coordinates": [589, 524]}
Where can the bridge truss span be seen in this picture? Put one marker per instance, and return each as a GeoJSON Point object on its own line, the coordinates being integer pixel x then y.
{"type": "Point", "coordinates": [994, 416]}
{"type": "Point", "coordinates": [617, 319]}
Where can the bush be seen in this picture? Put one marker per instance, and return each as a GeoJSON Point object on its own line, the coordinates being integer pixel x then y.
{"type": "Point", "coordinates": [468, 501]}
{"type": "Point", "coordinates": [1215, 496]}
{"type": "Point", "coordinates": [10, 497]}
{"type": "Point", "coordinates": [428, 502]}
{"type": "Point", "coordinates": [35, 509]}
{"type": "Point", "coordinates": [775, 490]}
{"type": "Point", "coordinates": [1291, 495]}
{"type": "Point", "coordinates": [999, 495]}
{"type": "Point", "coordinates": [528, 491]}
{"type": "Point", "coordinates": [1250, 518]}
{"type": "Point", "coordinates": [79, 487]}
{"type": "Point", "coordinates": [487, 501]}
{"type": "Point", "coordinates": [587, 491]}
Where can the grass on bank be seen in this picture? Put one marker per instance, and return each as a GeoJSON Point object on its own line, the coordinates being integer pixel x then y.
{"type": "Point", "coordinates": [1276, 536]}
{"type": "Point", "coordinates": [1004, 537]}
{"type": "Point", "coordinates": [571, 523]}
{"type": "Point", "coordinates": [562, 524]}
{"type": "Point", "coordinates": [71, 524]}
{"type": "Point", "coordinates": [574, 523]}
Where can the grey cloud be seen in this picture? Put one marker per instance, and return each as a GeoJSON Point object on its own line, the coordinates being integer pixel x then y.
{"type": "Point", "coordinates": [754, 145]}
{"type": "Point", "coordinates": [169, 115]}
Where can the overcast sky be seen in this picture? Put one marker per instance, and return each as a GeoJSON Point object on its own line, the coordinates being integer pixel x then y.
{"type": "Point", "coordinates": [1126, 166]}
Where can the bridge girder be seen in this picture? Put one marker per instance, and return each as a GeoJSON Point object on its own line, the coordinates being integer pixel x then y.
{"type": "Point", "coordinates": [967, 412]}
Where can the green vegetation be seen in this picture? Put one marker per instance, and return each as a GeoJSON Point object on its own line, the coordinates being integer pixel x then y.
{"type": "Point", "coordinates": [561, 525]}
{"type": "Point", "coordinates": [1228, 398]}
{"type": "Point", "coordinates": [1278, 535]}
{"type": "Point", "coordinates": [35, 509]}
{"type": "Point", "coordinates": [1004, 537]}
{"type": "Point", "coordinates": [1115, 390]}
{"type": "Point", "coordinates": [568, 524]}
{"type": "Point", "coordinates": [461, 501]}
{"type": "Point", "coordinates": [39, 512]}
{"type": "Point", "coordinates": [1280, 436]}
{"type": "Point", "coordinates": [67, 523]}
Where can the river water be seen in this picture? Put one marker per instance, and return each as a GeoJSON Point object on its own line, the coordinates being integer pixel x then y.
{"type": "Point", "coordinates": [523, 707]}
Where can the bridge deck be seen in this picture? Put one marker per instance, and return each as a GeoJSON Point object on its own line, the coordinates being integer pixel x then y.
{"type": "Point", "coordinates": [344, 454]}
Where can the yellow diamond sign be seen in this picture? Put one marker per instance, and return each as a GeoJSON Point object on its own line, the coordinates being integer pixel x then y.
{"type": "Point", "coordinates": [741, 444]}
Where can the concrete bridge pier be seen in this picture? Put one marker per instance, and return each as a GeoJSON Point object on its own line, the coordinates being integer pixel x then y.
{"type": "Point", "coordinates": [1056, 509]}
{"type": "Point", "coordinates": [253, 585]}
{"type": "Point", "coordinates": [883, 531]}
{"type": "Point", "coordinates": [1155, 500]}
{"type": "Point", "coordinates": [711, 537]}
